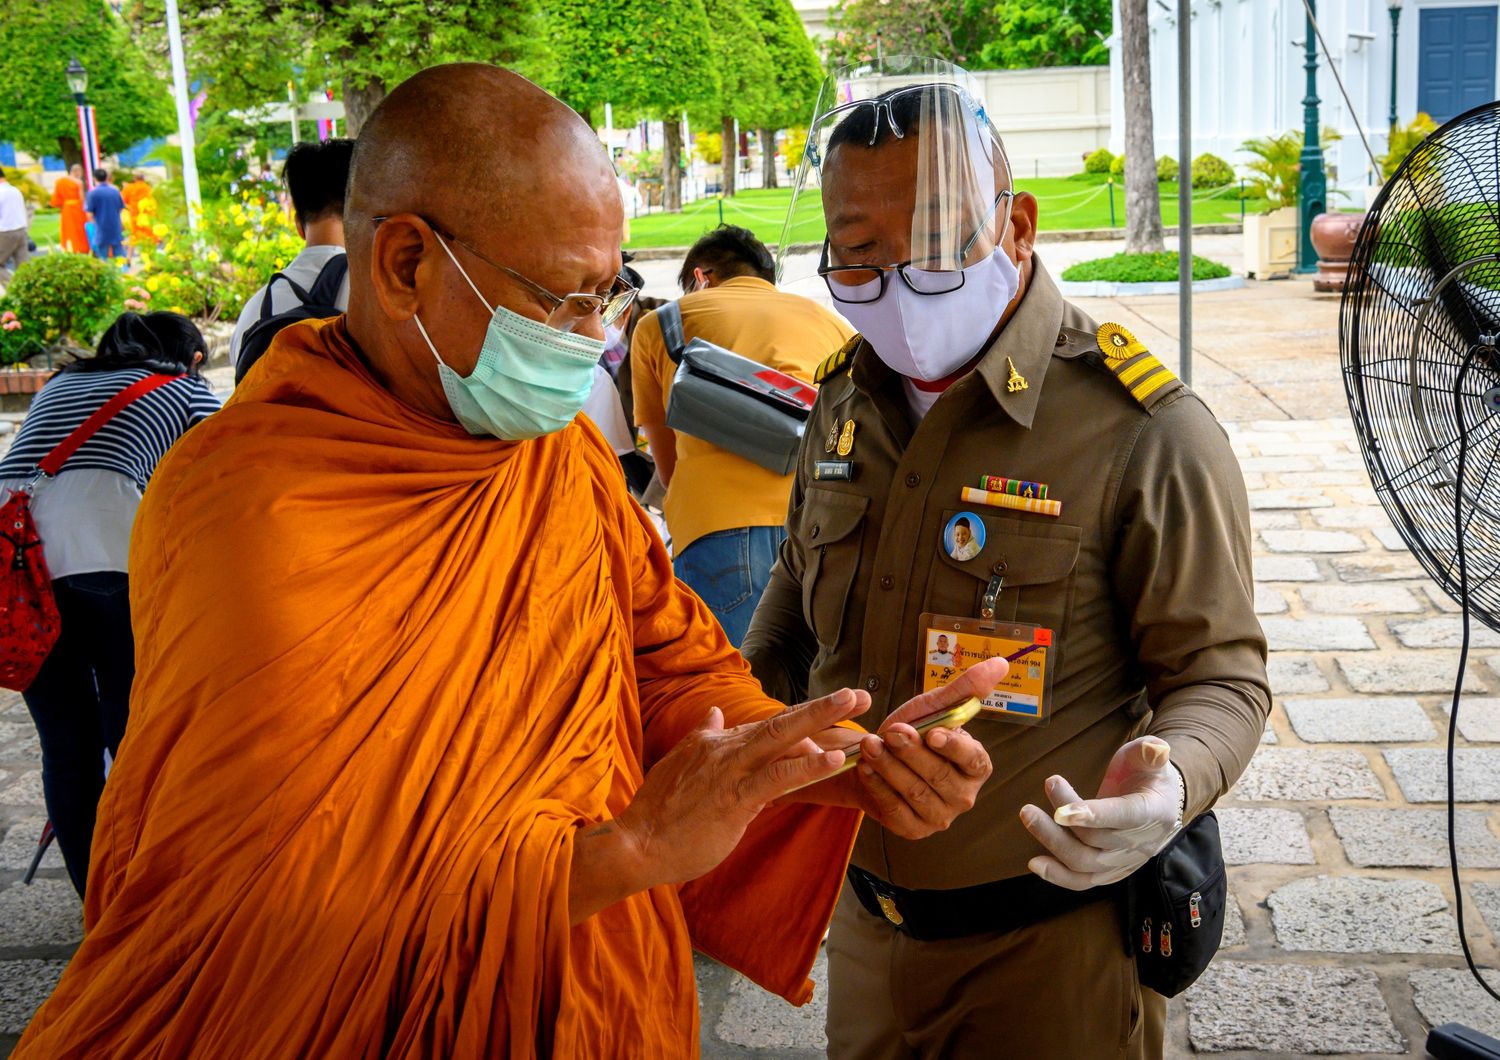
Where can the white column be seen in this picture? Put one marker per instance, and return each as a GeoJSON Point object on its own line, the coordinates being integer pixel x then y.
{"type": "Point", "coordinates": [184, 118]}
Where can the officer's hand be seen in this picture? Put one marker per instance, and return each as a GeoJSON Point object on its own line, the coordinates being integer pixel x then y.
{"type": "Point", "coordinates": [915, 787]}
{"type": "Point", "coordinates": [1107, 838]}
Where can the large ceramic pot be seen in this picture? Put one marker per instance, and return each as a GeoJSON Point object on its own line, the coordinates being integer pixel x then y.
{"type": "Point", "coordinates": [1333, 237]}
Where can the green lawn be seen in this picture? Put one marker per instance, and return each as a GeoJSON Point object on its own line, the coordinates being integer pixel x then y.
{"type": "Point", "coordinates": [44, 227]}
{"type": "Point", "coordinates": [1065, 204]}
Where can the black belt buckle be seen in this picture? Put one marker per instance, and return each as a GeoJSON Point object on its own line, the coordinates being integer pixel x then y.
{"type": "Point", "coordinates": [878, 897]}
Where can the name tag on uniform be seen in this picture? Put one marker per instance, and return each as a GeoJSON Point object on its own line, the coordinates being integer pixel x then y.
{"type": "Point", "coordinates": [833, 470]}
{"type": "Point", "coordinates": [951, 644]}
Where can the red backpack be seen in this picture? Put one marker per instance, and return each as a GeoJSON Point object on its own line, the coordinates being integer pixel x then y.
{"type": "Point", "coordinates": [29, 623]}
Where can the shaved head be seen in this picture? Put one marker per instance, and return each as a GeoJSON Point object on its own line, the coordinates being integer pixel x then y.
{"type": "Point", "coordinates": [507, 175]}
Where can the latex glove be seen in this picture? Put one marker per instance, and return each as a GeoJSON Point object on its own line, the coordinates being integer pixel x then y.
{"type": "Point", "coordinates": [1104, 840]}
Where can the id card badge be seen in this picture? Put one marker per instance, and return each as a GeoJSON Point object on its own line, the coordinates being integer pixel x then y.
{"type": "Point", "coordinates": [951, 644]}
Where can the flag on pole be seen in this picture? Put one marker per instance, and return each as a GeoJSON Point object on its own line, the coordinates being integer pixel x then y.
{"type": "Point", "coordinates": [88, 143]}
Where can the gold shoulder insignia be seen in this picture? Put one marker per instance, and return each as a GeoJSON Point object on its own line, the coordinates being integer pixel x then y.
{"type": "Point", "coordinates": [837, 361]}
{"type": "Point", "coordinates": [1147, 379]}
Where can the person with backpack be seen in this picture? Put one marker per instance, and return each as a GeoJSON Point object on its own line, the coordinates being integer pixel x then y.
{"type": "Point", "coordinates": [83, 513]}
{"type": "Point", "coordinates": [315, 283]}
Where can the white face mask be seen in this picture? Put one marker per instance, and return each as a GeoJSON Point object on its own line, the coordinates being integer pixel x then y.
{"type": "Point", "coordinates": [931, 336]}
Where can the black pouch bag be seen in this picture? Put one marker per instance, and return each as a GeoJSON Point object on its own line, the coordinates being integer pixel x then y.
{"type": "Point", "coordinates": [1175, 908]}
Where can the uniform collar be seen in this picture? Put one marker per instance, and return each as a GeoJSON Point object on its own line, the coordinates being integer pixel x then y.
{"type": "Point", "coordinates": [747, 281]}
{"type": "Point", "coordinates": [1028, 340]}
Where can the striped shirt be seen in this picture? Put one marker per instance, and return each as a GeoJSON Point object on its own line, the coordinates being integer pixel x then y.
{"type": "Point", "coordinates": [131, 444]}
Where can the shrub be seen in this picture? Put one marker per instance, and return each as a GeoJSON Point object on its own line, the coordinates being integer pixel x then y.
{"type": "Point", "coordinates": [1117, 166]}
{"type": "Point", "coordinates": [794, 146]}
{"type": "Point", "coordinates": [1141, 268]}
{"type": "Point", "coordinates": [641, 164]}
{"type": "Point", "coordinates": [1404, 139]}
{"type": "Point", "coordinates": [1166, 168]}
{"type": "Point", "coordinates": [1211, 171]}
{"type": "Point", "coordinates": [709, 147]}
{"type": "Point", "coordinates": [1277, 165]}
{"type": "Point", "coordinates": [58, 298]}
{"type": "Point", "coordinates": [1099, 161]}
{"type": "Point", "coordinates": [34, 194]}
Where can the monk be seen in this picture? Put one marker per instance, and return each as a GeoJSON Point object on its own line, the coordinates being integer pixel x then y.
{"type": "Point", "coordinates": [67, 194]}
{"type": "Point", "coordinates": [141, 204]}
{"type": "Point", "coordinates": [430, 755]}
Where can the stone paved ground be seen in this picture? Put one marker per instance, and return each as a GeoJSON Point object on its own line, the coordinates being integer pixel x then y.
{"type": "Point", "coordinates": [1341, 939]}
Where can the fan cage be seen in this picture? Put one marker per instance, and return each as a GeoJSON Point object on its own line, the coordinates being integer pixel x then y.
{"type": "Point", "coordinates": [1405, 338]}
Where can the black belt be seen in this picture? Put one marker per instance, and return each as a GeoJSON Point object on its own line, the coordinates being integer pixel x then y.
{"type": "Point", "coordinates": [984, 909]}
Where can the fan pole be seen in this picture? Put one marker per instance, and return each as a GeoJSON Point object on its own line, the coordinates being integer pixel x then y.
{"type": "Point", "coordinates": [1312, 184]}
{"type": "Point", "coordinates": [1185, 190]}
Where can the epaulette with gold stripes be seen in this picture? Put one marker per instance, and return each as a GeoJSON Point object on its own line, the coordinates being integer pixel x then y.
{"type": "Point", "coordinates": [1148, 380]}
{"type": "Point", "coordinates": [837, 361]}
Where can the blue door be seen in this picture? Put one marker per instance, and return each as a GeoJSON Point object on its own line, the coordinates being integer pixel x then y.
{"type": "Point", "coordinates": [1456, 69]}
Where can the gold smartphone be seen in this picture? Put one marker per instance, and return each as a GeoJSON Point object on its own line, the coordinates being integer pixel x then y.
{"type": "Point", "coordinates": [948, 718]}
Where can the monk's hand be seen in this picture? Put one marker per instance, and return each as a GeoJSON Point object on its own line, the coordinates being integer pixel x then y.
{"type": "Point", "coordinates": [1137, 811]}
{"type": "Point", "coordinates": [915, 786]}
{"type": "Point", "coordinates": [697, 801]}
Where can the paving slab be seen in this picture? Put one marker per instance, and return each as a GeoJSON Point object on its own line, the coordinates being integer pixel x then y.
{"type": "Point", "coordinates": [1390, 538]}
{"type": "Point", "coordinates": [1276, 520]}
{"type": "Point", "coordinates": [1486, 897]}
{"type": "Point", "coordinates": [1441, 631]}
{"type": "Point", "coordinates": [1357, 914]}
{"type": "Point", "coordinates": [1261, 500]}
{"type": "Point", "coordinates": [1352, 517]}
{"type": "Point", "coordinates": [1320, 541]}
{"type": "Point", "coordinates": [1450, 995]}
{"type": "Point", "coordinates": [1408, 672]}
{"type": "Point", "coordinates": [1299, 774]}
{"type": "Point", "coordinates": [1413, 838]}
{"type": "Point", "coordinates": [1375, 599]}
{"type": "Point", "coordinates": [1390, 567]}
{"type": "Point", "coordinates": [1294, 674]}
{"type": "Point", "coordinates": [1268, 836]}
{"type": "Point", "coordinates": [1422, 773]}
{"type": "Point", "coordinates": [755, 1018]}
{"type": "Point", "coordinates": [25, 790]}
{"type": "Point", "coordinates": [1286, 569]}
{"type": "Point", "coordinates": [24, 985]}
{"type": "Point", "coordinates": [1478, 718]}
{"type": "Point", "coordinates": [43, 912]}
{"type": "Point", "coordinates": [1269, 601]}
{"type": "Point", "coordinates": [1288, 1008]}
{"type": "Point", "coordinates": [1335, 633]}
{"type": "Point", "coordinates": [1234, 923]}
{"type": "Point", "coordinates": [19, 845]}
{"type": "Point", "coordinates": [1365, 720]}
{"type": "Point", "coordinates": [1279, 464]}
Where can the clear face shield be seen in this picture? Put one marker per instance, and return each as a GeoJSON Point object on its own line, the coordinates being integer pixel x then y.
{"type": "Point", "coordinates": [903, 180]}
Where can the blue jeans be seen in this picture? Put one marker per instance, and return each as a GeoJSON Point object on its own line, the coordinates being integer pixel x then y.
{"type": "Point", "coordinates": [729, 570]}
{"type": "Point", "coordinates": [79, 702]}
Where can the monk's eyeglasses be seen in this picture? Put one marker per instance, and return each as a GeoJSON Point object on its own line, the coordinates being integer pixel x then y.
{"type": "Point", "coordinates": [568, 311]}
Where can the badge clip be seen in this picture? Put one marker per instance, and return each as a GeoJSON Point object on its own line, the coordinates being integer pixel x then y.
{"type": "Point", "coordinates": [991, 598]}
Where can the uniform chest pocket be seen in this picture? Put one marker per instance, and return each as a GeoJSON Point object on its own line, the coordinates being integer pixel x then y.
{"type": "Point", "coordinates": [830, 527]}
{"type": "Point", "coordinates": [1036, 562]}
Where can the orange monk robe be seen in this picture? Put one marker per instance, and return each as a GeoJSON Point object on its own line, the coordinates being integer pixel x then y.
{"type": "Point", "coordinates": [385, 671]}
{"type": "Point", "coordinates": [142, 206]}
{"type": "Point", "coordinates": [67, 194]}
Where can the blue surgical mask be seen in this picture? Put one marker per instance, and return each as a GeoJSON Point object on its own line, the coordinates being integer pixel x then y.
{"type": "Point", "coordinates": [530, 379]}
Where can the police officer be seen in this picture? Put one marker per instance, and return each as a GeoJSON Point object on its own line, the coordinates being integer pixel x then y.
{"type": "Point", "coordinates": [1112, 531]}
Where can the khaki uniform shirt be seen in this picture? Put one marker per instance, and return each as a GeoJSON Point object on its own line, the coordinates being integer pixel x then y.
{"type": "Point", "coordinates": [1145, 577]}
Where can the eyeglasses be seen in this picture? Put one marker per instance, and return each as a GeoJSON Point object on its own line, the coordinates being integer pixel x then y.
{"type": "Point", "coordinates": [569, 311]}
{"type": "Point", "coordinates": [858, 284]}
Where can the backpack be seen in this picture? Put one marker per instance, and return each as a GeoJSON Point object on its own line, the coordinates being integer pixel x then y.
{"type": "Point", "coordinates": [317, 303]}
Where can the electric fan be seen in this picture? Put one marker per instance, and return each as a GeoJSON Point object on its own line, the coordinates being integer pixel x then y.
{"type": "Point", "coordinates": [1418, 331]}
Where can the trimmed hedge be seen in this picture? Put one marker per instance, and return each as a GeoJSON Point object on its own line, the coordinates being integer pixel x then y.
{"type": "Point", "coordinates": [1141, 268]}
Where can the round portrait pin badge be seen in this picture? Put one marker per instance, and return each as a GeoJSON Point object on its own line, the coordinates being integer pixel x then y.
{"type": "Point", "coordinates": [963, 537]}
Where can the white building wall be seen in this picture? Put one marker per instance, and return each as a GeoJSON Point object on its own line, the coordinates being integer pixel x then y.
{"type": "Point", "coordinates": [1248, 78]}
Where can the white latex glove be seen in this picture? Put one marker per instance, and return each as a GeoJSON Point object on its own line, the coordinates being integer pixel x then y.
{"type": "Point", "coordinates": [1136, 813]}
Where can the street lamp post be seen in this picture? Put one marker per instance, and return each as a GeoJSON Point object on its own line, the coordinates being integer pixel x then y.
{"type": "Point", "coordinates": [1312, 182]}
{"type": "Point", "coordinates": [78, 83]}
{"type": "Point", "coordinates": [1395, 6]}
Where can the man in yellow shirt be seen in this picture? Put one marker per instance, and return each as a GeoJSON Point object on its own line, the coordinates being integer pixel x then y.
{"type": "Point", "coordinates": [726, 514]}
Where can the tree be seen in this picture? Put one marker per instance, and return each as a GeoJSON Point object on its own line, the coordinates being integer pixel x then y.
{"type": "Point", "coordinates": [648, 60]}
{"type": "Point", "coordinates": [746, 76]}
{"type": "Point", "coordinates": [38, 39]}
{"type": "Point", "coordinates": [249, 50]}
{"type": "Point", "coordinates": [1143, 229]}
{"type": "Point", "coordinates": [1030, 33]}
{"type": "Point", "coordinates": [798, 75]}
{"type": "Point", "coordinates": [955, 30]}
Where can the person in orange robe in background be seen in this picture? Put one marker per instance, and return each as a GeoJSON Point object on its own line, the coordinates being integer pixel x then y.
{"type": "Point", "coordinates": [431, 755]}
{"type": "Point", "coordinates": [67, 194]}
{"type": "Point", "coordinates": [141, 205]}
